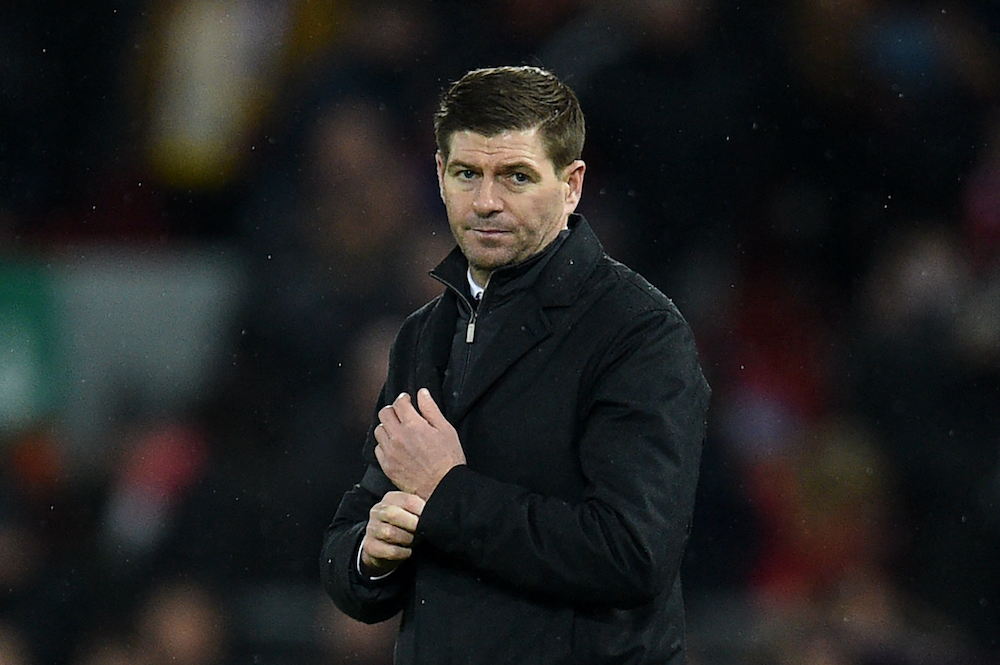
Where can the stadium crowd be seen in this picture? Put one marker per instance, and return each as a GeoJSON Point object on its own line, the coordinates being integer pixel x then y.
{"type": "Point", "coordinates": [215, 213]}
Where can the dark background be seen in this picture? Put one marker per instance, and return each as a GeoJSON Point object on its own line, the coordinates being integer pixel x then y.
{"type": "Point", "coordinates": [215, 213]}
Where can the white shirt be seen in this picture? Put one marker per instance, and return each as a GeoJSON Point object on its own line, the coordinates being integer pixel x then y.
{"type": "Point", "coordinates": [477, 291]}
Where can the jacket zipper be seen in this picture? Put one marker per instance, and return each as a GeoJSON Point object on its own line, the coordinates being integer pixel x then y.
{"type": "Point", "coordinates": [470, 331]}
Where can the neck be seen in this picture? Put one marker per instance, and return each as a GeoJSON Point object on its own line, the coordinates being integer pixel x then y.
{"type": "Point", "coordinates": [480, 276]}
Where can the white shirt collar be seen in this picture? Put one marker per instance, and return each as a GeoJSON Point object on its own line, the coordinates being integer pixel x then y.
{"type": "Point", "coordinates": [477, 291]}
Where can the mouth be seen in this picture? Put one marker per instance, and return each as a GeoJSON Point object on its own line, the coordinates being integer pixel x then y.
{"type": "Point", "coordinates": [488, 232]}
{"type": "Point", "coordinates": [488, 239]}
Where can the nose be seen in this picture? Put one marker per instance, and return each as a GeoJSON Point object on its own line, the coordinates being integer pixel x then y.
{"type": "Point", "coordinates": [487, 199]}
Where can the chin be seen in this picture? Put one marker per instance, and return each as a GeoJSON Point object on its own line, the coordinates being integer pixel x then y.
{"type": "Point", "coordinates": [487, 259]}
{"type": "Point", "coordinates": [486, 266]}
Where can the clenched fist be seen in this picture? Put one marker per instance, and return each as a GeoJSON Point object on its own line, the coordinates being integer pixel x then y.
{"type": "Point", "coordinates": [388, 541]}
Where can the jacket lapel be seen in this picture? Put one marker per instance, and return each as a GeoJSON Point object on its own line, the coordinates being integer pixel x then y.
{"type": "Point", "coordinates": [433, 347]}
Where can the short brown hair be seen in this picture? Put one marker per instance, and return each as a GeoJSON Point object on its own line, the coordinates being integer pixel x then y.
{"type": "Point", "coordinates": [497, 99]}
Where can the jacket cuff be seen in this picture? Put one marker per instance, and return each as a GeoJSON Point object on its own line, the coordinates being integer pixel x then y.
{"type": "Point", "coordinates": [440, 513]}
{"type": "Point", "coordinates": [360, 572]}
{"type": "Point", "coordinates": [454, 511]}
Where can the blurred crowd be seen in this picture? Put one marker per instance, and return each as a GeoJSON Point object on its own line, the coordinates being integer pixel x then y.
{"type": "Point", "coordinates": [214, 214]}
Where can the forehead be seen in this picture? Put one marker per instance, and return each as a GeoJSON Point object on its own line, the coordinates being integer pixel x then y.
{"type": "Point", "coordinates": [520, 145]}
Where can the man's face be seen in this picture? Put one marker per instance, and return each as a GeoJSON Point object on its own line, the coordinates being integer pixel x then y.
{"type": "Point", "coordinates": [504, 197]}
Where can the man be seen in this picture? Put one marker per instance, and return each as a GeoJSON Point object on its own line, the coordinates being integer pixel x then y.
{"type": "Point", "coordinates": [533, 462]}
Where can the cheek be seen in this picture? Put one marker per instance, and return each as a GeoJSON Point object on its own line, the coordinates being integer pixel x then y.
{"type": "Point", "coordinates": [547, 211]}
{"type": "Point", "coordinates": [457, 199]}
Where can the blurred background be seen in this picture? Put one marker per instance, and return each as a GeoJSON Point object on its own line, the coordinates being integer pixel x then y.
{"type": "Point", "coordinates": [214, 214]}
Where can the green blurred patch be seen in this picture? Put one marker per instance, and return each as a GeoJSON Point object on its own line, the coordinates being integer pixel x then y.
{"type": "Point", "coordinates": [28, 383]}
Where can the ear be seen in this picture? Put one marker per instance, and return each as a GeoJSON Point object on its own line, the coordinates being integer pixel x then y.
{"type": "Point", "coordinates": [573, 177]}
{"type": "Point", "coordinates": [439, 161]}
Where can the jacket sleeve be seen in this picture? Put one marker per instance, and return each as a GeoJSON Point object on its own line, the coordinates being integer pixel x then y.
{"type": "Point", "coordinates": [643, 424]}
{"type": "Point", "coordinates": [360, 598]}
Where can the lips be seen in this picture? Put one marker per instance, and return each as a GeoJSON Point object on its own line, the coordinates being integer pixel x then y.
{"type": "Point", "coordinates": [488, 231]}
{"type": "Point", "coordinates": [489, 238]}
{"type": "Point", "coordinates": [488, 223]}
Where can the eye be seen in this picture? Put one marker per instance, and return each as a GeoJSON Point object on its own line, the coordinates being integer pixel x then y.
{"type": "Point", "coordinates": [520, 178]}
{"type": "Point", "coordinates": [466, 174]}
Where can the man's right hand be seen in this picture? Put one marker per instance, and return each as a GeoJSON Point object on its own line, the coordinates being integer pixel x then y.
{"type": "Point", "coordinates": [388, 541]}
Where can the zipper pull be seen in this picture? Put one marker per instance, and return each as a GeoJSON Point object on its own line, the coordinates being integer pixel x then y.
{"type": "Point", "coordinates": [470, 332]}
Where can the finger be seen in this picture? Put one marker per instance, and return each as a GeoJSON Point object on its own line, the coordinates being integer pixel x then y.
{"type": "Point", "coordinates": [375, 549]}
{"type": "Point", "coordinates": [411, 503]}
{"type": "Point", "coordinates": [430, 410]}
{"type": "Point", "coordinates": [387, 415]}
{"type": "Point", "coordinates": [414, 504]}
{"type": "Point", "coordinates": [389, 533]}
{"type": "Point", "coordinates": [380, 455]}
{"type": "Point", "coordinates": [406, 412]}
{"type": "Point", "coordinates": [381, 435]}
{"type": "Point", "coordinates": [401, 518]}
{"type": "Point", "coordinates": [398, 516]}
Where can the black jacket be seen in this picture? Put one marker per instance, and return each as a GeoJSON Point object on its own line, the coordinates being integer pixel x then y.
{"type": "Point", "coordinates": [561, 539]}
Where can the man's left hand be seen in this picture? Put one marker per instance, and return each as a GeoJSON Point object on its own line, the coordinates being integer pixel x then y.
{"type": "Point", "coordinates": [416, 448]}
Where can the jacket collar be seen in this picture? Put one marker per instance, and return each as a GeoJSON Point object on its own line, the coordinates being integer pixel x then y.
{"type": "Point", "coordinates": [558, 283]}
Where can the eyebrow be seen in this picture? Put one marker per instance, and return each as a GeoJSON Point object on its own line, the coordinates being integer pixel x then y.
{"type": "Point", "coordinates": [519, 166]}
{"type": "Point", "coordinates": [459, 165]}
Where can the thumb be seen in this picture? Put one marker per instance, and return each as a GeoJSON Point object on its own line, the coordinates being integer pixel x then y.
{"type": "Point", "coordinates": [429, 409]}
